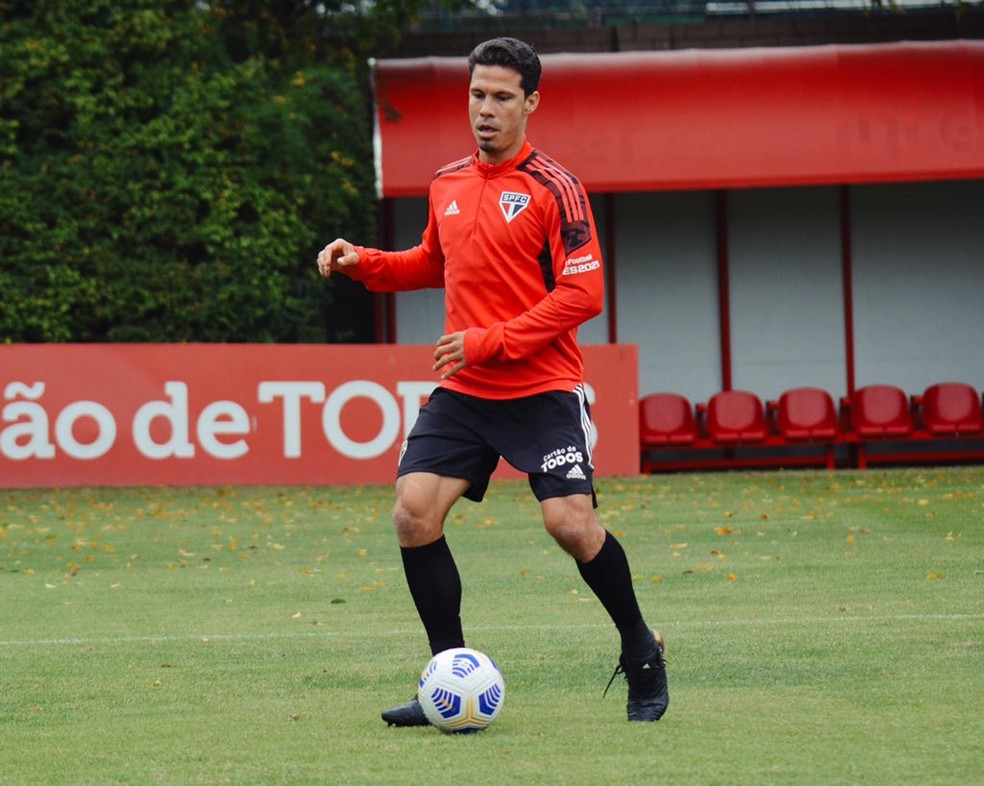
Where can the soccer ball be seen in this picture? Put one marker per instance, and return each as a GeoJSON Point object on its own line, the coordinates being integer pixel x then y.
{"type": "Point", "coordinates": [461, 690]}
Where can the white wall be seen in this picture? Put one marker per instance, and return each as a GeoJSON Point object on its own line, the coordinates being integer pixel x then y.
{"type": "Point", "coordinates": [420, 314]}
{"type": "Point", "coordinates": [787, 311]}
{"type": "Point", "coordinates": [918, 265]}
{"type": "Point", "coordinates": [919, 283]}
{"type": "Point", "coordinates": [666, 286]}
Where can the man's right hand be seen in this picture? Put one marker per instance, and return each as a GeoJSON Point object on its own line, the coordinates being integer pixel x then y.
{"type": "Point", "coordinates": [337, 254]}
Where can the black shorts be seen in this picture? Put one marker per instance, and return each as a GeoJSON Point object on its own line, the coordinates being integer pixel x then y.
{"type": "Point", "coordinates": [547, 436]}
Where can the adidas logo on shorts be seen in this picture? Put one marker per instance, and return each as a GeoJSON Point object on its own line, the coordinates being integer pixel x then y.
{"type": "Point", "coordinates": [576, 473]}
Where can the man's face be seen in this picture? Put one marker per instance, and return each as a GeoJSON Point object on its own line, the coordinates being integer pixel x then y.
{"type": "Point", "coordinates": [498, 110]}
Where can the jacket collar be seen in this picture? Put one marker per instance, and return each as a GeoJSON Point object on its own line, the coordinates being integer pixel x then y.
{"type": "Point", "coordinates": [494, 170]}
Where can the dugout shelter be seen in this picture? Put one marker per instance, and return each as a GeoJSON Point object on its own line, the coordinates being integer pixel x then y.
{"type": "Point", "coordinates": [773, 218]}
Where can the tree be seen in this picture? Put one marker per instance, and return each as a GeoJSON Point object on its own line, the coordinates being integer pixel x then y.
{"type": "Point", "coordinates": [169, 168]}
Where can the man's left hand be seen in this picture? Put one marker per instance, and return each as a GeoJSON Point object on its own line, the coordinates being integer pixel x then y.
{"type": "Point", "coordinates": [450, 354]}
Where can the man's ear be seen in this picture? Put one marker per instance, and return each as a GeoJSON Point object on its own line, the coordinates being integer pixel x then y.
{"type": "Point", "coordinates": [532, 102]}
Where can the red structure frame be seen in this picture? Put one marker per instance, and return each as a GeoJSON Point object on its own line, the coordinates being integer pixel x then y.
{"type": "Point", "coordinates": [712, 118]}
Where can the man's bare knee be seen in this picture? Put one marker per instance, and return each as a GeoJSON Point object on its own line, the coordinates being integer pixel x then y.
{"type": "Point", "coordinates": [415, 527]}
{"type": "Point", "coordinates": [571, 521]}
{"type": "Point", "coordinates": [422, 502]}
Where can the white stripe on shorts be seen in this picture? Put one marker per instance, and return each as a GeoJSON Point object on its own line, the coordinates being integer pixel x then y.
{"type": "Point", "coordinates": [586, 426]}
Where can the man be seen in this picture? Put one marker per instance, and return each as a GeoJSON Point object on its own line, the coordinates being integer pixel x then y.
{"type": "Point", "coordinates": [511, 238]}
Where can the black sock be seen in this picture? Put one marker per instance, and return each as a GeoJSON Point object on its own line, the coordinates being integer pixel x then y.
{"type": "Point", "coordinates": [638, 640]}
{"type": "Point", "coordinates": [609, 577]}
{"type": "Point", "coordinates": [435, 587]}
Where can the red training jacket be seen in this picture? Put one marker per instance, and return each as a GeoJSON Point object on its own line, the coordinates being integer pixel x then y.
{"type": "Point", "coordinates": [516, 250]}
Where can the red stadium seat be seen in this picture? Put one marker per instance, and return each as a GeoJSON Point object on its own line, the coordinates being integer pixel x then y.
{"type": "Point", "coordinates": [666, 419]}
{"type": "Point", "coordinates": [735, 417]}
{"type": "Point", "coordinates": [880, 411]}
{"type": "Point", "coordinates": [876, 424]}
{"type": "Point", "coordinates": [880, 414]}
{"type": "Point", "coordinates": [886, 427]}
{"type": "Point", "coordinates": [806, 415]}
{"type": "Point", "coordinates": [951, 409]}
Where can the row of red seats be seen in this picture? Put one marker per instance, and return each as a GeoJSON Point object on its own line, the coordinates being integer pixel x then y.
{"type": "Point", "coordinates": [878, 423]}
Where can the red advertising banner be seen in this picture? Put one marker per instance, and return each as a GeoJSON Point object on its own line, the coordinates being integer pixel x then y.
{"type": "Point", "coordinates": [236, 414]}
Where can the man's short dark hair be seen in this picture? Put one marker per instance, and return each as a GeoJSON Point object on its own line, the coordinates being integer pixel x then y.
{"type": "Point", "coordinates": [509, 53]}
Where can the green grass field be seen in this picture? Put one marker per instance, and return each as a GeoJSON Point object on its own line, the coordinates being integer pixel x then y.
{"type": "Point", "coordinates": [821, 628]}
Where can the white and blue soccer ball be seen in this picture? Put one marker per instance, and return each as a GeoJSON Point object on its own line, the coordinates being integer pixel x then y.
{"type": "Point", "coordinates": [461, 690]}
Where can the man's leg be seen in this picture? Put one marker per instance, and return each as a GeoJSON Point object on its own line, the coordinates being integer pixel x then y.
{"type": "Point", "coordinates": [422, 503]}
{"type": "Point", "coordinates": [602, 563]}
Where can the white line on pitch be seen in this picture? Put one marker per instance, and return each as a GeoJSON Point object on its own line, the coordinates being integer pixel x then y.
{"type": "Point", "coordinates": [163, 639]}
{"type": "Point", "coordinates": [279, 635]}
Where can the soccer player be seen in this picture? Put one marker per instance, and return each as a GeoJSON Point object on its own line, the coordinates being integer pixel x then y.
{"type": "Point", "coordinates": [511, 238]}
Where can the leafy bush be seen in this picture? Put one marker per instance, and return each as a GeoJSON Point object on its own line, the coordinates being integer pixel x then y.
{"type": "Point", "coordinates": [165, 175]}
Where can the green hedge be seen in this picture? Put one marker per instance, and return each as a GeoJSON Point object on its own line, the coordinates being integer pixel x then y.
{"type": "Point", "coordinates": [169, 169]}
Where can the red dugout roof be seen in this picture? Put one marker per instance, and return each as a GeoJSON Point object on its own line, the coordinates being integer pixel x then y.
{"type": "Point", "coordinates": [731, 118]}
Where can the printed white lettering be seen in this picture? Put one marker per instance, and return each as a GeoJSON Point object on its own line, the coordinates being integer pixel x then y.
{"type": "Point", "coordinates": [175, 412]}
{"type": "Point", "coordinates": [332, 426]}
{"type": "Point", "coordinates": [168, 428]}
{"type": "Point", "coordinates": [561, 457]}
{"type": "Point", "coordinates": [221, 418]}
{"type": "Point", "coordinates": [105, 430]}
{"type": "Point", "coordinates": [570, 270]}
{"type": "Point", "coordinates": [414, 394]}
{"type": "Point", "coordinates": [28, 436]}
{"type": "Point", "coordinates": [291, 393]}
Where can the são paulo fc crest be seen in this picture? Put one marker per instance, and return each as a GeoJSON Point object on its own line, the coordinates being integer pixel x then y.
{"type": "Point", "coordinates": [513, 204]}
